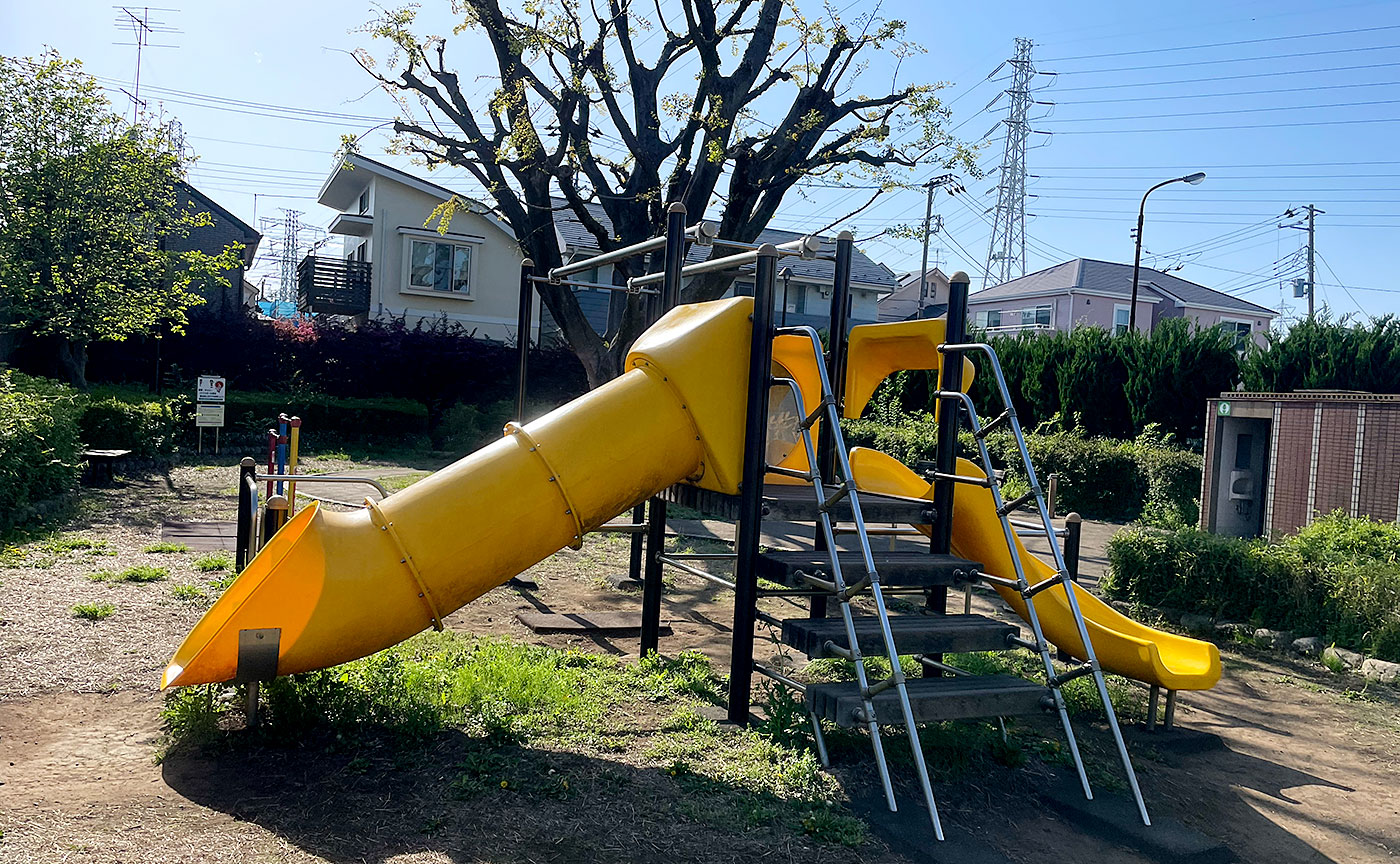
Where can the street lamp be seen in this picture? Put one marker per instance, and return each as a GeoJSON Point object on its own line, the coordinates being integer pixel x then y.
{"type": "Point", "coordinates": [1193, 179]}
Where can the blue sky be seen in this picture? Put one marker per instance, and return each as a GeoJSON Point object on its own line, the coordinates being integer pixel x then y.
{"type": "Point", "coordinates": [1302, 106]}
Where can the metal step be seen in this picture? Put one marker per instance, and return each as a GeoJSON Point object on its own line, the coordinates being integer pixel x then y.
{"type": "Point", "coordinates": [913, 634]}
{"type": "Point", "coordinates": [795, 503]}
{"type": "Point", "coordinates": [934, 699]}
{"type": "Point", "coordinates": [897, 569]}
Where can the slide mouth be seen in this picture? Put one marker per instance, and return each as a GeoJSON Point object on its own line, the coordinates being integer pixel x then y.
{"type": "Point", "coordinates": [208, 654]}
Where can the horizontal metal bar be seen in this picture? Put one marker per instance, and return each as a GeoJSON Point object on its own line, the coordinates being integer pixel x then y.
{"type": "Point", "coordinates": [324, 478]}
{"type": "Point", "coordinates": [1010, 584]}
{"type": "Point", "coordinates": [780, 677]}
{"type": "Point", "coordinates": [701, 556]}
{"type": "Point", "coordinates": [931, 663]}
{"type": "Point", "coordinates": [1043, 585]}
{"type": "Point", "coordinates": [621, 528]}
{"type": "Point", "coordinates": [805, 247]}
{"type": "Point", "coordinates": [768, 619]}
{"type": "Point", "coordinates": [814, 592]}
{"type": "Point", "coordinates": [1070, 674]}
{"type": "Point", "coordinates": [790, 472]}
{"type": "Point", "coordinates": [694, 571]}
{"type": "Point", "coordinates": [992, 424]}
{"type": "Point", "coordinates": [879, 687]}
{"type": "Point", "coordinates": [1012, 506]}
{"type": "Point", "coordinates": [839, 651]}
{"type": "Point", "coordinates": [878, 532]}
{"type": "Point", "coordinates": [1034, 526]}
{"type": "Point", "coordinates": [574, 283]}
{"type": "Point", "coordinates": [608, 257]}
{"type": "Point", "coordinates": [962, 478]}
{"type": "Point", "coordinates": [1017, 642]}
{"type": "Point", "coordinates": [842, 490]}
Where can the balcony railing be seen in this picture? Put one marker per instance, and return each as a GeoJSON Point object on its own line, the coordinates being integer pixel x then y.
{"type": "Point", "coordinates": [333, 286]}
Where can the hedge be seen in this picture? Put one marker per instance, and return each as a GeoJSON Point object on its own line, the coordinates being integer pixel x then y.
{"type": "Point", "coordinates": [39, 442]}
{"type": "Point", "coordinates": [1338, 578]}
{"type": "Point", "coordinates": [1100, 478]}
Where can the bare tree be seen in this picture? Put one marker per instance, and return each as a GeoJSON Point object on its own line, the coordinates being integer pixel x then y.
{"type": "Point", "coordinates": [743, 101]}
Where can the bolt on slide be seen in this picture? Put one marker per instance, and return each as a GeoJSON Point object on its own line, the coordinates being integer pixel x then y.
{"type": "Point", "coordinates": [331, 587]}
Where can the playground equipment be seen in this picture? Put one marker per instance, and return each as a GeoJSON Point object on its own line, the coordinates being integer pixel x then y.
{"type": "Point", "coordinates": [722, 411]}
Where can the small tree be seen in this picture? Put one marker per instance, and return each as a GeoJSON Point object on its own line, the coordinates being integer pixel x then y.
{"type": "Point", "coordinates": [706, 103]}
{"type": "Point", "coordinates": [86, 205]}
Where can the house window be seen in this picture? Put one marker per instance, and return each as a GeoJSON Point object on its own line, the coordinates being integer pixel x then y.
{"type": "Point", "coordinates": [364, 202]}
{"type": "Point", "coordinates": [1042, 316]}
{"type": "Point", "coordinates": [1121, 318]}
{"type": "Point", "coordinates": [1241, 330]}
{"type": "Point", "coordinates": [434, 266]}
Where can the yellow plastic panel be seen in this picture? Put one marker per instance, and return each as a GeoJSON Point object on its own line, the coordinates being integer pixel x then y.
{"type": "Point", "coordinates": [876, 351]}
{"type": "Point", "coordinates": [1123, 645]}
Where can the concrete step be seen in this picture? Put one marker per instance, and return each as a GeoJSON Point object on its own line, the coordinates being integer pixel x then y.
{"type": "Point", "coordinates": [913, 634]}
{"type": "Point", "coordinates": [934, 699]}
{"type": "Point", "coordinates": [896, 569]}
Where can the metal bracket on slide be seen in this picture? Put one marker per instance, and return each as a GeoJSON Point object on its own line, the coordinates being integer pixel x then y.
{"type": "Point", "coordinates": [377, 517]}
{"type": "Point", "coordinates": [569, 508]}
{"type": "Point", "coordinates": [258, 652]}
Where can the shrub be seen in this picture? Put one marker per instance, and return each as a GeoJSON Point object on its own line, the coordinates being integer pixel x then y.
{"type": "Point", "coordinates": [1321, 353]}
{"type": "Point", "coordinates": [213, 562]}
{"type": "Point", "coordinates": [1338, 577]}
{"type": "Point", "coordinates": [39, 442]}
{"type": "Point", "coordinates": [126, 420]}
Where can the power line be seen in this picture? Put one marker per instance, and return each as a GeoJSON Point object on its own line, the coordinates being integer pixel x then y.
{"type": "Point", "coordinates": [1216, 78]}
{"type": "Point", "coordinates": [1332, 105]}
{"type": "Point", "coordinates": [1158, 130]}
{"type": "Point", "coordinates": [1269, 92]}
{"type": "Point", "coordinates": [1226, 44]}
{"type": "Point", "coordinates": [1269, 57]}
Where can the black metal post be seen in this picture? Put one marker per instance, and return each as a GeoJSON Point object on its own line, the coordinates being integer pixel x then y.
{"type": "Point", "coordinates": [1074, 526]}
{"type": "Point", "coordinates": [522, 336]}
{"type": "Point", "coordinates": [246, 471]}
{"type": "Point", "coordinates": [946, 452]}
{"type": "Point", "coordinates": [652, 586]}
{"type": "Point", "coordinates": [751, 485]}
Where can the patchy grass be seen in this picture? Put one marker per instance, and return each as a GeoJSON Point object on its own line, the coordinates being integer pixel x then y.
{"type": "Point", "coordinates": [165, 548]}
{"type": "Point", "coordinates": [524, 707]}
{"type": "Point", "coordinates": [400, 482]}
{"type": "Point", "coordinates": [187, 592]}
{"type": "Point", "coordinates": [94, 611]}
{"type": "Point", "coordinates": [213, 562]}
{"type": "Point", "coordinates": [64, 544]}
{"type": "Point", "coordinates": [140, 573]}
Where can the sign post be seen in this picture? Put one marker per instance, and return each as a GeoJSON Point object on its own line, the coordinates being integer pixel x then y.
{"type": "Point", "coordinates": [209, 389]}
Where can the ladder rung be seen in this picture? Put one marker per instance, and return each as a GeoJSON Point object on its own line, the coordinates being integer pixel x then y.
{"type": "Point", "coordinates": [1077, 672]}
{"type": "Point", "coordinates": [1042, 585]}
{"type": "Point", "coordinates": [842, 490]}
{"type": "Point", "coordinates": [1009, 584]}
{"type": "Point", "coordinates": [961, 478]}
{"type": "Point", "coordinates": [826, 402]}
{"type": "Point", "coordinates": [1016, 641]}
{"type": "Point", "coordinates": [1011, 506]}
{"type": "Point", "coordinates": [992, 424]}
{"type": "Point", "coordinates": [881, 686]}
{"type": "Point", "coordinates": [790, 472]}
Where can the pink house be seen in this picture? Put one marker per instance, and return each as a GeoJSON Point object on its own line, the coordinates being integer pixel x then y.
{"type": "Point", "coordinates": [1097, 293]}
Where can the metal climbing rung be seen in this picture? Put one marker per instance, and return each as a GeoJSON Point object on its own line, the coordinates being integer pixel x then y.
{"type": "Point", "coordinates": [845, 488]}
{"type": "Point", "coordinates": [1047, 529]}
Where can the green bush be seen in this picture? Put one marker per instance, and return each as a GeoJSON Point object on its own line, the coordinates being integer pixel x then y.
{"type": "Point", "coordinates": [1338, 577]}
{"type": "Point", "coordinates": [149, 427]}
{"type": "Point", "coordinates": [39, 442]}
{"type": "Point", "coordinates": [1321, 353]}
{"type": "Point", "coordinates": [325, 417]}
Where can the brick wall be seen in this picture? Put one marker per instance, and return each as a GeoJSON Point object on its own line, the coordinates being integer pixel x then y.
{"type": "Point", "coordinates": [1336, 458]}
{"type": "Point", "coordinates": [1207, 484]}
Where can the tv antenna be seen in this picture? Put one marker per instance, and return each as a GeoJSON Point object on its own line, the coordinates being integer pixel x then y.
{"type": "Point", "coordinates": [143, 27]}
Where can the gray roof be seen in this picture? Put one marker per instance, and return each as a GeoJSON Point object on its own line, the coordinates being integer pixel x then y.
{"type": "Point", "coordinates": [864, 270]}
{"type": "Point", "coordinates": [1108, 277]}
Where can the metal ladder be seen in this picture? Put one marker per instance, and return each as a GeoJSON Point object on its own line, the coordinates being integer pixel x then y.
{"type": "Point", "coordinates": [953, 353]}
{"type": "Point", "coordinates": [845, 489]}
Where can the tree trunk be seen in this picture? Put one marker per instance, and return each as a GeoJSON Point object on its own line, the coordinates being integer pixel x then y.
{"type": "Point", "coordinates": [73, 357]}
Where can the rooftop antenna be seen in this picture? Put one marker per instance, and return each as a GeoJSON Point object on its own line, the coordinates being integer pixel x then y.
{"type": "Point", "coordinates": [138, 20]}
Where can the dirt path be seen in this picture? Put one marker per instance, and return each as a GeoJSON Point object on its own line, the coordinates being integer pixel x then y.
{"type": "Point", "coordinates": [1307, 768]}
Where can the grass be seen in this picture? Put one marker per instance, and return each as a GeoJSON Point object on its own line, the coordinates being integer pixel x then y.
{"type": "Point", "coordinates": [187, 592]}
{"type": "Point", "coordinates": [399, 482]}
{"type": "Point", "coordinates": [141, 573]}
{"type": "Point", "coordinates": [213, 562]}
{"type": "Point", "coordinates": [94, 611]}
{"type": "Point", "coordinates": [165, 548]}
{"type": "Point", "coordinates": [526, 708]}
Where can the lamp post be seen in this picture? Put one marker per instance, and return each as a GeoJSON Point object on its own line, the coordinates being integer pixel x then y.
{"type": "Point", "coordinates": [1193, 179]}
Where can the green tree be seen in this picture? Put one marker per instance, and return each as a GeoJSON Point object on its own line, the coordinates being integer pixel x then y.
{"type": "Point", "coordinates": [87, 203]}
{"type": "Point", "coordinates": [630, 106]}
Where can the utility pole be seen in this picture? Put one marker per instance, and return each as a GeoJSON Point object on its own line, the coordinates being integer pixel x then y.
{"type": "Point", "coordinates": [931, 185]}
{"type": "Point", "coordinates": [1312, 254]}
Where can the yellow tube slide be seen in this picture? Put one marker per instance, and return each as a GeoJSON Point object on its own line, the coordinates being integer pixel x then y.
{"type": "Point", "coordinates": [334, 586]}
{"type": "Point", "coordinates": [1123, 645]}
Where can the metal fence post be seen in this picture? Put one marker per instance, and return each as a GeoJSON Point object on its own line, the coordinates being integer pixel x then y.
{"type": "Point", "coordinates": [247, 468]}
{"type": "Point", "coordinates": [749, 534]}
{"type": "Point", "coordinates": [522, 336]}
{"type": "Point", "coordinates": [276, 516]}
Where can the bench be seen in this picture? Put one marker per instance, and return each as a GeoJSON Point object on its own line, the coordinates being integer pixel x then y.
{"type": "Point", "coordinates": [102, 466]}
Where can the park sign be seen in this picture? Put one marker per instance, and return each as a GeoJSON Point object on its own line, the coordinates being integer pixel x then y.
{"type": "Point", "coordinates": [209, 415]}
{"type": "Point", "coordinates": [209, 388]}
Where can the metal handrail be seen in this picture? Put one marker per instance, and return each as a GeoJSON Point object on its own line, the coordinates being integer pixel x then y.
{"type": "Point", "coordinates": [323, 478]}
{"type": "Point", "coordinates": [804, 247]}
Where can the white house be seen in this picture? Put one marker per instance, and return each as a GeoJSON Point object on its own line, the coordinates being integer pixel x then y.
{"type": "Point", "coordinates": [393, 266]}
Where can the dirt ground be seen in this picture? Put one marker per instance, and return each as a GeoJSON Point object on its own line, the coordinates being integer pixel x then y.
{"type": "Point", "coordinates": [1300, 764]}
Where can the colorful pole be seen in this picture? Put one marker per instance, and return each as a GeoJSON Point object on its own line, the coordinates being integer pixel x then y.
{"type": "Point", "coordinates": [271, 457]}
{"type": "Point", "coordinates": [292, 467]}
{"type": "Point", "coordinates": [282, 421]}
